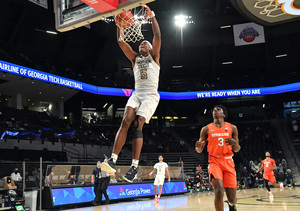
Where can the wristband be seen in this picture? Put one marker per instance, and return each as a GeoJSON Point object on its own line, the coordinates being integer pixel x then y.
{"type": "Point", "coordinates": [152, 14]}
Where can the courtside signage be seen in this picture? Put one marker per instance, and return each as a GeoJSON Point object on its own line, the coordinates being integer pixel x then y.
{"type": "Point", "coordinates": [74, 195]}
{"type": "Point", "coordinates": [39, 75]}
{"type": "Point", "coordinates": [42, 76]}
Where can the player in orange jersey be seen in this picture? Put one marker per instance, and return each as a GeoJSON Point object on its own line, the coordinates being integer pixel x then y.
{"type": "Point", "coordinates": [222, 138]}
{"type": "Point", "coordinates": [268, 165]}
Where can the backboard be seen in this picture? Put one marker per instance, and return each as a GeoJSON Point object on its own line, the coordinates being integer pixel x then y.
{"type": "Point", "coordinates": [72, 14]}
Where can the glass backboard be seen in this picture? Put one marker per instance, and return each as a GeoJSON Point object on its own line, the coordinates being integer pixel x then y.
{"type": "Point", "coordinates": [72, 14]}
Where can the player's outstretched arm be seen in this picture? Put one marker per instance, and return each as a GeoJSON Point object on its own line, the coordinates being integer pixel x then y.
{"type": "Point", "coordinates": [202, 140]}
{"type": "Point", "coordinates": [126, 48]}
{"type": "Point", "coordinates": [156, 43]}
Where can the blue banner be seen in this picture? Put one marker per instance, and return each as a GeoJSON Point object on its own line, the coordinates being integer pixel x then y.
{"type": "Point", "coordinates": [72, 133]}
{"type": "Point", "coordinates": [39, 75]}
{"type": "Point", "coordinates": [74, 195]}
{"type": "Point", "coordinates": [36, 134]}
{"type": "Point", "coordinates": [207, 94]}
{"type": "Point", "coordinates": [50, 78]}
{"type": "Point", "coordinates": [10, 133]}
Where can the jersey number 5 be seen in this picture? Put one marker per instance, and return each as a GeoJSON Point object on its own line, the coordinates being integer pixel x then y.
{"type": "Point", "coordinates": [221, 142]}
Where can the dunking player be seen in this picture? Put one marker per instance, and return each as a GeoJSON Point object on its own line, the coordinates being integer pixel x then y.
{"type": "Point", "coordinates": [143, 102]}
{"type": "Point", "coordinates": [161, 168]}
{"type": "Point", "coordinates": [222, 138]}
{"type": "Point", "coordinates": [268, 165]}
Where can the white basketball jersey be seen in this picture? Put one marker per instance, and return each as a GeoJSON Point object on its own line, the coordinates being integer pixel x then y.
{"type": "Point", "coordinates": [146, 74]}
{"type": "Point", "coordinates": [161, 168]}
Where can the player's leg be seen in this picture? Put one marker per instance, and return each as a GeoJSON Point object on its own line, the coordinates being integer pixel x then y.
{"type": "Point", "coordinates": [120, 139]}
{"type": "Point", "coordinates": [156, 184]}
{"type": "Point", "coordinates": [137, 142]}
{"type": "Point", "coordinates": [272, 180]}
{"type": "Point", "coordinates": [160, 191]}
{"type": "Point", "coordinates": [216, 180]}
{"type": "Point", "coordinates": [219, 193]}
{"type": "Point", "coordinates": [230, 183]}
{"type": "Point", "coordinates": [231, 197]}
{"type": "Point", "coordinates": [155, 191]}
{"type": "Point", "coordinates": [121, 136]}
{"type": "Point", "coordinates": [275, 185]}
{"type": "Point", "coordinates": [144, 113]}
{"type": "Point", "coordinates": [266, 183]}
{"type": "Point", "coordinates": [160, 182]}
{"type": "Point", "coordinates": [147, 108]}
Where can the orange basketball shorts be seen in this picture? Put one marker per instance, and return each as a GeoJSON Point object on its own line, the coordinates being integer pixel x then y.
{"type": "Point", "coordinates": [270, 177]}
{"type": "Point", "coordinates": [223, 169]}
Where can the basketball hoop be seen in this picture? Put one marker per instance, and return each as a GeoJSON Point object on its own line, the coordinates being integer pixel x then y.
{"type": "Point", "coordinates": [130, 23]}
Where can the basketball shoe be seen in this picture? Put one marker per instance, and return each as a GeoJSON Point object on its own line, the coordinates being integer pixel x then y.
{"type": "Point", "coordinates": [131, 174]}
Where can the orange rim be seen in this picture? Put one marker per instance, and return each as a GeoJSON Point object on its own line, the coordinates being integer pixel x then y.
{"type": "Point", "coordinates": [146, 18]}
{"type": "Point", "coordinates": [148, 8]}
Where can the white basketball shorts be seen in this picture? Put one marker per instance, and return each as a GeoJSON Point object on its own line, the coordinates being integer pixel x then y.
{"type": "Point", "coordinates": [144, 104]}
{"type": "Point", "coordinates": [159, 180]}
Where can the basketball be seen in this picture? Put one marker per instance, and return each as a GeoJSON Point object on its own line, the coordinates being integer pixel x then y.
{"type": "Point", "coordinates": [124, 19]}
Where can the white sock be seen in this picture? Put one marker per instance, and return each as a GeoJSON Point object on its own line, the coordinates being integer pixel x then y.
{"type": "Point", "coordinates": [158, 196]}
{"type": "Point", "coordinates": [135, 163]}
{"type": "Point", "coordinates": [114, 157]}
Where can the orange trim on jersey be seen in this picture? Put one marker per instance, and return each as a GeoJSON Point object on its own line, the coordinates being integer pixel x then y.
{"type": "Point", "coordinates": [216, 140]}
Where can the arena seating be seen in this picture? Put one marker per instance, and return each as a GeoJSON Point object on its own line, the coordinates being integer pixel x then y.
{"type": "Point", "coordinates": [31, 155]}
{"type": "Point", "coordinates": [255, 137]}
{"type": "Point", "coordinates": [294, 133]}
{"type": "Point", "coordinates": [258, 137]}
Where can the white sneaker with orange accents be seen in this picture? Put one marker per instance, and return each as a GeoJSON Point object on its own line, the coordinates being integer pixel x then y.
{"type": "Point", "coordinates": [281, 186]}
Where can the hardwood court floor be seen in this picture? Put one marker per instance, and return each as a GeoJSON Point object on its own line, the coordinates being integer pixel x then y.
{"type": "Point", "coordinates": [250, 199]}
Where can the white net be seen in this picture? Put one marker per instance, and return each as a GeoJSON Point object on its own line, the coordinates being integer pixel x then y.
{"type": "Point", "coordinates": [130, 23]}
